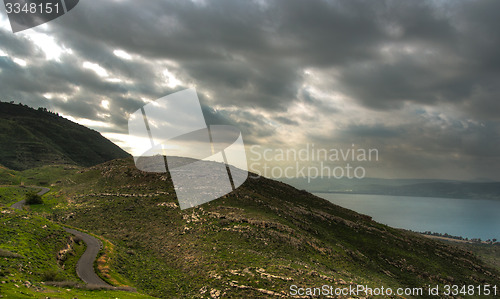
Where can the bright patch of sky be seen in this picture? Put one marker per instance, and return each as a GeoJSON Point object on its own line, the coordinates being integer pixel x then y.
{"type": "Point", "coordinates": [99, 70]}
{"type": "Point", "coordinates": [172, 81]}
{"type": "Point", "coordinates": [122, 54]}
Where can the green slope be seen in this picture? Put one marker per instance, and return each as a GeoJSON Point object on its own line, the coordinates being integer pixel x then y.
{"type": "Point", "coordinates": [38, 258]}
{"type": "Point", "coordinates": [255, 242]}
{"type": "Point", "coordinates": [30, 138]}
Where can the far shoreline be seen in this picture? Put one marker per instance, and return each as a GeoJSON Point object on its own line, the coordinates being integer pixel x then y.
{"type": "Point", "coordinates": [401, 195]}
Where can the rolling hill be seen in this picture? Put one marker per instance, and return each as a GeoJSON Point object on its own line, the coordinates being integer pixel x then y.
{"type": "Point", "coordinates": [31, 138]}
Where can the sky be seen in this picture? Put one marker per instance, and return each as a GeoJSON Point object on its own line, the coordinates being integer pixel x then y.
{"type": "Point", "coordinates": [416, 80]}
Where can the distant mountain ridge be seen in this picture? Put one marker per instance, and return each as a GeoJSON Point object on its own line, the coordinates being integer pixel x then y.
{"type": "Point", "coordinates": [36, 137]}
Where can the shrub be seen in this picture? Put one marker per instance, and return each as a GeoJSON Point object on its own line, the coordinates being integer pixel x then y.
{"type": "Point", "coordinates": [33, 199]}
{"type": "Point", "coordinates": [52, 275]}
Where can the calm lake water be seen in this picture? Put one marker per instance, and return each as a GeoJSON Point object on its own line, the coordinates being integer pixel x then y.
{"type": "Point", "coordinates": [471, 218]}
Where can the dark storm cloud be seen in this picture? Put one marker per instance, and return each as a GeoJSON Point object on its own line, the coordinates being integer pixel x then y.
{"type": "Point", "coordinates": [451, 54]}
{"type": "Point", "coordinates": [286, 121]}
{"type": "Point", "coordinates": [253, 54]}
{"type": "Point", "coordinates": [374, 131]}
{"type": "Point", "coordinates": [245, 57]}
{"type": "Point", "coordinates": [260, 50]}
{"type": "Point", "coordinates": [253, 127]}
{"type": "Point", "coordinates": [430, 146]}
{"type": "Point", "coordinates": [18, 47]}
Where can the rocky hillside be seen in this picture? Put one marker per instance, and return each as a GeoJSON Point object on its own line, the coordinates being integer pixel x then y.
{"type": "Point", "coordinates": [254, 242]}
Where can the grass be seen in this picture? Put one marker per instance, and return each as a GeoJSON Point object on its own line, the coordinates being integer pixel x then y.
{"type": "Point", "coordinates": [48, 175]}
{"type": "Point", "coordinates": [71, 259]}
{"type": "Point", "coordinates": [66, 292]}
{"type": "Point", "coordinates": [12, 194]}
{"type": "Point", "coordinates": [106, 265]}
{"type": "Point", "coordinates": [29, 247]}
{"type": "Point", "coordinates": [33, 138]}
{"type": "Point", "coordinates": [51, 176]}
{"type": "Point", "coordinates": [490, 253]}
{"type": "Point", "coordinates": [9, 176]}
{"type": "Point", "coordinates": [36, 242]}
{"type": "Point", "coordinates": [16, 184]}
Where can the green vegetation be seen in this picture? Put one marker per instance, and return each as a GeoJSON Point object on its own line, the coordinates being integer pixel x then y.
{"type": "Point", "coordinates": [48, 175]}
{"type": "Point", "coordinates": [13, 194]}
{"type": "Point", "coordinates": [35, 242]}
{"type": "Point", "coordinates": [38, 258]}
{"type": "Point", "coordinates": [33, 138]}
{"type": "Point", "coordinates": [71, 259]}
{"type": "Point", "coordinates": [490, 253]}
{"type": "Point", "coordinates": [9, 176]}
{"type": "Point", "coordinates": [33, 199]}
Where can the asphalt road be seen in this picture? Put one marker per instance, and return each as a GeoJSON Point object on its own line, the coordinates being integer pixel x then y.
{"type": "Point", "coordinates": [19, 205]}
{"type": "Point", "coordinates": [85, 265]}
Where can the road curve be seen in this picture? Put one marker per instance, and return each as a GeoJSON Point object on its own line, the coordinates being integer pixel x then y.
{"type": "Point", "coordinates": [85, 265]}
{"type": "Point", "coordinates": [19, 205]}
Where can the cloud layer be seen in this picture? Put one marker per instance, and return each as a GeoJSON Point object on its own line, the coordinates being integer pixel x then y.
{"type": "Point", "coordinates": [416, 79]}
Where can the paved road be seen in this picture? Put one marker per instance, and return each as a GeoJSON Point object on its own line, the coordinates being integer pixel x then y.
{"type": "Point", "coordinates": [19, 205]}
{"type": "Point", "coordinates": [85, 265]}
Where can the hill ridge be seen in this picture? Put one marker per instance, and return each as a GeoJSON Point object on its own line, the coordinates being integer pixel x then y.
{"type": "Point", "coordinates": [37, 137]}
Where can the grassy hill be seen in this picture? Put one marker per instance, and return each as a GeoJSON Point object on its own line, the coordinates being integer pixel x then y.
{"type": "Point", "coordinates": [38, 259]}
{"type": "Point", "coordinates": [254, 242]}
{"type": "Point", "coordinates": [32, 138]}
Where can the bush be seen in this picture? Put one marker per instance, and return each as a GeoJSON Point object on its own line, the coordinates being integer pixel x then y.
{"type": "Point", "coordinates": [52, 275]}
{"type": "Point", "coordinates": [33, 199]}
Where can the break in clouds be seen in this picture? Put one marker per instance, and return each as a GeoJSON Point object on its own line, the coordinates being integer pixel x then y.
{"type": "Point", "coordinates": [417, 80]}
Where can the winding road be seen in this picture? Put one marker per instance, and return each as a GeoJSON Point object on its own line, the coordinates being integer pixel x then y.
{"type": "Point", "coordinates": [85, 265]}
{"type": "Point", "coordinates": [19, 205]}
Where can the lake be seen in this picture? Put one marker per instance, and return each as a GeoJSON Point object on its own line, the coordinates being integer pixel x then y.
{"type": "Point", "coordinates": [471, 218]}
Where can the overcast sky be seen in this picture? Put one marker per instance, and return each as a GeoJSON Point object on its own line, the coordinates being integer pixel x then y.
{"type": "Point", "coordinates": [417, 80]}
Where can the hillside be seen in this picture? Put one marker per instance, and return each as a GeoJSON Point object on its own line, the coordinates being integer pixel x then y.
{"type": "Point", "coordinates": [255, 242]}
{"type": "Point", "coordinates": [38, 259]}
{"type": "Point", "coordinates": [32, 138]}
